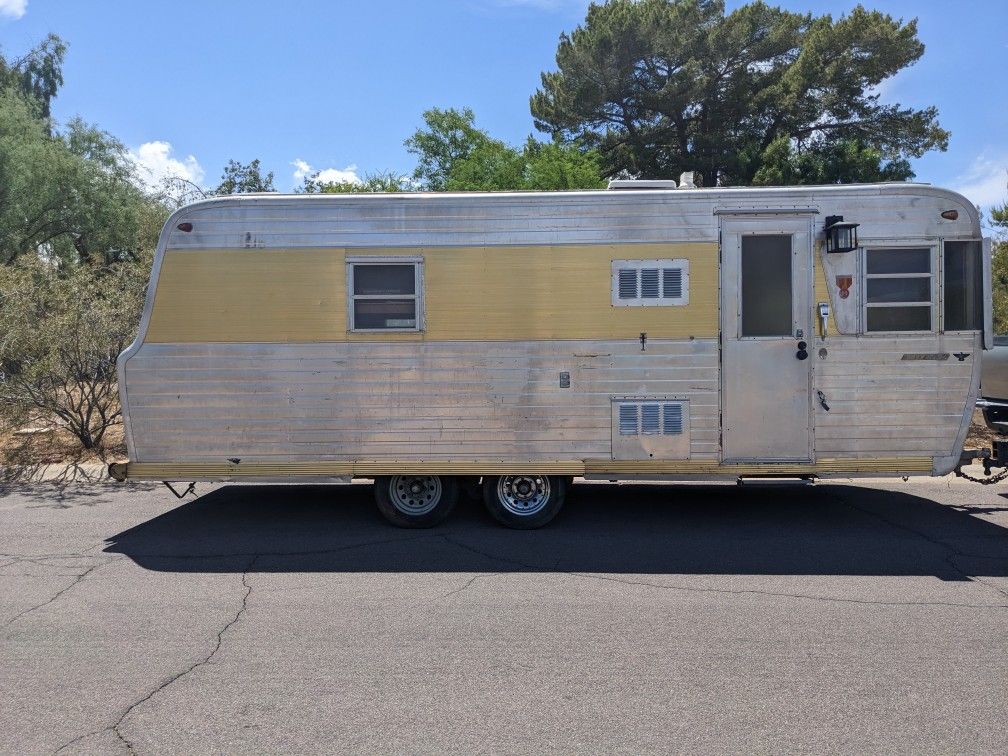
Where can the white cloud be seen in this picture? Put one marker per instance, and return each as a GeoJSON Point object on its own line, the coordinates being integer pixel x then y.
{"type": "Point", "coordinates": [985, 183]}
{"type": "Point", "coordinates": [302, 170]}
{"type": "Point", "coordinates": [155, 163]}
{"type": "Point", "coordinates": [13, 8]}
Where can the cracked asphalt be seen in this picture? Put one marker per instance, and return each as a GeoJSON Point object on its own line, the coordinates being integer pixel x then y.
{"type": "Point", "coordinates": [836, 617]}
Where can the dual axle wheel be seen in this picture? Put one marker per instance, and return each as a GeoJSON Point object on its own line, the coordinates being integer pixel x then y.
{"type": "Point", "coordinates": [423, 501]}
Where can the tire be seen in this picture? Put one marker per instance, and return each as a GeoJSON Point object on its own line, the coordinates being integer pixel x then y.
{"type": "Point", "coordinates": [524, 502]}
{"type": "Point", "coordinates": [415, 501]}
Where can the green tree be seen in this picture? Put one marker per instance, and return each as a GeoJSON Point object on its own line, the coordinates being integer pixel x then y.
{"type": "Point", "coordinates": [664, 86]}
{"type": "Point", "coordinates": [374, 182]}
{"type": "Point", "coordinates": [239, 178]}
{"type": "Point", "coordinates": [38, 74]}
{"type": "Point", "coordinates": [840, 162]}
{"type": "Point", "coordinates": [999, 284]}
{"type": "Point", "coordinates": [454, 155]}
{"type": "Point", "coordinates": [999, 216]}
{"type": "Point", "coordinates": [557, 166]}
{"type": "Point", "coordinates": [71, 195]}
{"type": "Point", "coordinates": [450, 136]}
{"type": "Point", "coordinates": [495, 166]}
{"type": "Point", "coordinates": [999, 269]}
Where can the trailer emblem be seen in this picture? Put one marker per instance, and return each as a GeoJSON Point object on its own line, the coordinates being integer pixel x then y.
{"type": "Point", "coordinates": [844, 282]}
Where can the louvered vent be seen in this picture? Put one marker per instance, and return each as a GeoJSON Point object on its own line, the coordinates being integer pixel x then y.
{"type": "Point", "coordinates": [628, 419]}
{"type": "Point", "coordinates": [672, 419]}
{"type": "Point", "coordinates": [649, 283]}
{"type": "Point", "coordinates": [650, 418]}
{"type": "Point", "coordinates": [672, 287]}
{"type": "Point", "coordinates": [627, 284]}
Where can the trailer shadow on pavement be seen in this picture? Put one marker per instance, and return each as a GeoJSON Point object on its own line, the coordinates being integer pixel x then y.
{"type": "Point", "coordinates": [632, 529]}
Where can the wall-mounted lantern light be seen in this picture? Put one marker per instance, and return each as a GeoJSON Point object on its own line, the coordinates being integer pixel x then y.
{"type": "Point", "coordinates": [840, 236]}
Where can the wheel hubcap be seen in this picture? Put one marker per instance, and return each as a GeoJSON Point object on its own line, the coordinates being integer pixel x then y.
{"type": "Point", "coordinates": [415, 494]}
{"type": "Point", "coordinates": [523, 494]}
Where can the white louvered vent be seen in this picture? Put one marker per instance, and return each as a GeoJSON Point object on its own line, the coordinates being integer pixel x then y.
{"type": "Point", "coordinates": [642, 283]}
{"type": "Point", "coordinates": [651, 418]}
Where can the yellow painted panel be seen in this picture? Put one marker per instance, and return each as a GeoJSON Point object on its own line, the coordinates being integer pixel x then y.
{"type": "Point", "coordinates": [248, 296]}
{"type": "Point", "coordinates": [822, 294]}
{"type": "Point", "coordinates": [471, 294]}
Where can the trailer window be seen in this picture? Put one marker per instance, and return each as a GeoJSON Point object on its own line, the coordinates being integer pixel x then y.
{"type": "Point", "coordinates": [765, 290]}
{"type": "Point", "coordinates": [899, 289]}
{"type": "Point", "coordinates": [963, 285]}
{"type": "Point", "coordinates": [642, 283]}
{"type": "Point", "coordinates": [385, 295]}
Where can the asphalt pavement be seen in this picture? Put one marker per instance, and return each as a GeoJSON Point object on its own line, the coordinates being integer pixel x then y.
{"type": "Point", "coordinates": [678, 618]}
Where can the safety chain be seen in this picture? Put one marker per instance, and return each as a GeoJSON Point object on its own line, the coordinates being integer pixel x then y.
{"type": "Point", "coordinates": [984, 481]}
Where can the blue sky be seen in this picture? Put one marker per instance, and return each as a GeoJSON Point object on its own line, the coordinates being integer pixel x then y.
{"type": "Point", "coordinates": [338, 86]}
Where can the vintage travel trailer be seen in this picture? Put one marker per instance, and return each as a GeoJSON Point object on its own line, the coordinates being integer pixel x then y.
{"type": "Point", "coordinates": [648, 331]}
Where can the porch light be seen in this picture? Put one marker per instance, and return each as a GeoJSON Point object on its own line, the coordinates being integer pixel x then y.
{"type": "Point", "coordinates": [840, 236]}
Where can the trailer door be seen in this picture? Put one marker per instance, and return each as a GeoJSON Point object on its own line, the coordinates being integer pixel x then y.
{"type": "Point", "coordinates": [766, 318]}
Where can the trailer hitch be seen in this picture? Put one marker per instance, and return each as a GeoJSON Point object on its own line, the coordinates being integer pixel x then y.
{"type": "Point", "coordinates": [984, 455]}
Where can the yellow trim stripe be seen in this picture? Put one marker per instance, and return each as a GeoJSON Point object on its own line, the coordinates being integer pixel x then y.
{"type": "Point", "coordinates": [365, 469]}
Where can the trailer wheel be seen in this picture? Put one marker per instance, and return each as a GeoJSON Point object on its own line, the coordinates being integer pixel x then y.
{"type": "Point", "coordinates": [415, 501]}
{"type": "Point", "coordinates": [524, 501]}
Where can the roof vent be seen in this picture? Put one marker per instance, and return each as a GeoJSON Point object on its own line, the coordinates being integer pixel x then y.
{"type": "Point", "coordinates": [686, 180]}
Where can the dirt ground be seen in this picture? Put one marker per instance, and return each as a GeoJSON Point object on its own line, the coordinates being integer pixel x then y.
{"type": "Point", "coordinates": [980, 436]}
{"type": "Point", "coordinates": [23, 453]}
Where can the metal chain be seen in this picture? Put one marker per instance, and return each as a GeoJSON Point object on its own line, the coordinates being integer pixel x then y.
{"type": "Point", "coordinates": [983, 481]}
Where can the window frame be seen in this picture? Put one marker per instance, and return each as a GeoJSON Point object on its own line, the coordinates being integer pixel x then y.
{"type": "Point", "coordinates": [933, 274]}
{"type": "Point", "coordinates": [417, 296]}
{"type": "Point", "coordinates": [662, 264]}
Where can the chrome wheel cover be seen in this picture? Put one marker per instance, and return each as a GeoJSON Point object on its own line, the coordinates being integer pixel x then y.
{"type": "Point", "coordinates": [415, 495]}
{"type": "Point", "coordinates": [523, 495]}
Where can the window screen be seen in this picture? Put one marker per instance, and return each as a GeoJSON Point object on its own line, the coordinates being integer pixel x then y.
{"type": "Point", "coordinates": [766, 286]}
{"type": "Point", "coordinates": [384, 296]}
{"type": "Point", "coordinates": [963, 285]}
{"type": "Point", "coordinates": [644, 283]}
{"type": "Point", "coordinates": [898, 284]}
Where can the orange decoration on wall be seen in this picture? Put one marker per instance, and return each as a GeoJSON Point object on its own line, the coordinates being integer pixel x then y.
{"type": "Point", "coordinates": [844, 282]}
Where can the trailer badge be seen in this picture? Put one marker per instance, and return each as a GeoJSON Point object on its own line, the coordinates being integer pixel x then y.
{"type": "Point", "coordinates": [844, 282]}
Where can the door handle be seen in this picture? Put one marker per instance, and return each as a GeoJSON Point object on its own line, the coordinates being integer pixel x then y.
{"type": "Point", "coordinates": [802, 353]}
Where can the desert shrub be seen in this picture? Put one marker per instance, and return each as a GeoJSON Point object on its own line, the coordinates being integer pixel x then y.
{"type": "Point", "coordinates": [61, 328]}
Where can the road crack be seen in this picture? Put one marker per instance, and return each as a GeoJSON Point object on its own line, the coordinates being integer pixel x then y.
{"type": "Point", "coordinates": [76, 581]}
{"type": "Point", "coordinates": [117, 727]}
